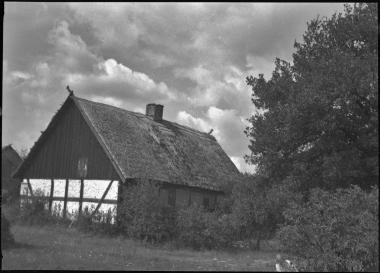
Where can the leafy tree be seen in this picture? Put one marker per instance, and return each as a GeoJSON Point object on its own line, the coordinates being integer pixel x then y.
{"type": "Point", "coordinates": [257, 208]}
{"type": "Point", "coordinates": [319, 125]}
{"type": "Point", "coordinates": [23, 153]}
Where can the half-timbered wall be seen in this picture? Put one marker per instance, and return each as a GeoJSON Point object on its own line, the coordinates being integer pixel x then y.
{"type": "Point", "coordinates": [55, 200]}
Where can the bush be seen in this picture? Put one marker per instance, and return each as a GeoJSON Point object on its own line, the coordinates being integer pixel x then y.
{"type": "Point", "coordinates": [100, 223]}
{"type": "Point", "coordinates": [142, 215]}
{"type": "Point", "coordinates": [257, 208]}
{"type": "Point", "coordinates": [34, 211]}
{"type": "Point", "coordinates": [202, 229]}
{"type": "Point", "coordinates": [7, 238]}
{"type": "Point", "coordinates": [334, 231]}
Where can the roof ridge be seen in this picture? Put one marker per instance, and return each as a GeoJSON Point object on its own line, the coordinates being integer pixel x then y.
{"type": "Point", "coordinates": [143, 115]}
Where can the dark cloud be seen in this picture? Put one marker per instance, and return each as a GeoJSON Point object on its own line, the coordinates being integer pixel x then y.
{"type": "Point", "coordinates": [192, 57]}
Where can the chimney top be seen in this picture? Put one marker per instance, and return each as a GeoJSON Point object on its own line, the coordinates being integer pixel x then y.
{"type": "Point", "coordinates": [154, 111]}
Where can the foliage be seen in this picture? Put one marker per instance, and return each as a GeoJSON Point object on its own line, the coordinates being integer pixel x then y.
{"type": "Point", "coordinates": [100, 223]}
{"type": "Point", "coordinates": [319, 116]}
{"type": "Point", "coordinates": [199, 228]}
{"type": "Point", "coordinates": [34, 211]}
{"type": "Point", "coordinates": [142, 215]}
{"type": "Point", "coordinates": [7, 238]}
{"type": "Point", "coordinates": [334, 231]}
{"type": "Point", "coordinates": [23, 153]}
{"type": "Point", "coordinates": [257, 208]}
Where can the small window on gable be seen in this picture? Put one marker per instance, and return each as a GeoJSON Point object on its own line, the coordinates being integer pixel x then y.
{"type": "Point", "coordinates": [82, 167]}
{"type": "Point", "coordinates": [171, 197]}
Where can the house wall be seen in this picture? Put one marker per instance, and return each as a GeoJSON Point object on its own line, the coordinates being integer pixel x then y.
{"type": "Point", "coordinates": [93, 190]}
{"type": "Point", "coordinates": [69, 141]}
{"type": "Point", "coordinates": [185, 196]}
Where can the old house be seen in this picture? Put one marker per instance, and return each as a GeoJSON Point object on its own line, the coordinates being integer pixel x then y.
{"type": "Point", "coordinates": [88, 141]}
{"type": "Point", "coordinates": [10, 160]}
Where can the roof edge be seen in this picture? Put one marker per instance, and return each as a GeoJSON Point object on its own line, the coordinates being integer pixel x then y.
{"type": "Point", "coordinates": [24, 164]}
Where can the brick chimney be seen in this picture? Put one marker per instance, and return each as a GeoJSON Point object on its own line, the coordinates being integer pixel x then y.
{"type": "Point", "coordinates": [154, 111]}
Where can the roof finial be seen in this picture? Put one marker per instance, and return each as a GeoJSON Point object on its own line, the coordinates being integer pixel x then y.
{"type": "Point", "coordinates": [210, 131]}
{"type": "Point", "coordinates": [71, 92]}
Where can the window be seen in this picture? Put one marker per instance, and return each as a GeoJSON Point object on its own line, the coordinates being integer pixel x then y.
{"type": "Point", "coordinates": [206, 202]}
{"type": "Point", "coordinates": [171, 197]}
{"type": "Point", "coordinates": [82, 167]}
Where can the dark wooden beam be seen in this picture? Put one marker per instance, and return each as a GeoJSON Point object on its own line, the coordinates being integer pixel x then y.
{"type": "Point", "coordinates": [30, 187]}
{"type": "Point", "coordinates": [73, 199]}
{"type": "Point", "coordinates": [119, 203]}
{"type": "Point", "coordinates": [51, 194]}
{"type": "Point", "coordinates": [81, 197]}
{"type": "Point", "coordinates": [101, 200]}
{"type": "Point", "coordinates": [65, 200]}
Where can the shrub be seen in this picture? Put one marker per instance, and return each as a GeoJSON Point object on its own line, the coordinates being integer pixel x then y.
{"type": "Point", "coordinates": [11, 211]}
{"type": "Point", "coordinates": [100, 223]}
{"type": "Point", "coordinates": [199, 228]}
{"type": "Point", "coordinates": [7, 238]}
{"type": "Point", "coordinates": [33, 210]}
{"type": "Point", "coordinates": [143, 216]}
{"type": "Point", "coordinates": [333, 231]}
{"type": "Point", "coordinates": [257, 208]}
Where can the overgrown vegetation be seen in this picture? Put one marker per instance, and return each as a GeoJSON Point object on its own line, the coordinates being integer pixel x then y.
{"type": "Point", "coordinates": [257, 208]}
{"type": "Point", "coordinates": [142, 216]}
{"type": "Point", "coordinates": [100, 222]}
{"type": "Point", "coordinates": [34, 211]}
{"type": "Point", "coordinates": [334, 231]}
{"type": "Point", "coordinates": [7, 238]}
{"type": "Point", "coordinates": [317, 135]}
{"type": "Point", "coordinates": [201, 229]}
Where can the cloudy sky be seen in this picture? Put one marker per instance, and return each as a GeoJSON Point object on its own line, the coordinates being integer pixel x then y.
{"type": "Point", "coordinates": [191, 57]}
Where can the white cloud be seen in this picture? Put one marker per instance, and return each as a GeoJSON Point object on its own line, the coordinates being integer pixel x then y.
{"type": "Point", "coordinates": [227, 130]}
{"type": "Point", "coordinates": [242, 165]}
{"type": "Point", "coordinates": [258, 65]}
{"type": "Point", "coordinates": [224, 88]}
{"type": "Point", "coordinates": [197, 123]}
{"type": "Point", "coordinates": [20, 75]}
{"type": "Point", "coordinates": [108, 100]}
{"type": "Point", "coordinates": [70, 51]}
{"type": "Point", "coordinates": [191, 57]}
{"type": "Point", "coordinates": [119, 81]}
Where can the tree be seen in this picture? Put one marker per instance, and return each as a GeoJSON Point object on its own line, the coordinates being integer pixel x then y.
{"type": "Point", "coordinates": [23, 153]}
{"type": "Point", "coordinates": [319, 126]}
{"type": "Point", "coordinates": [257, 208]}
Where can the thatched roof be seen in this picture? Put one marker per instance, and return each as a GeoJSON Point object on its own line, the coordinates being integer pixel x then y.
{"type": "Point", "coordinates": [139, 147]}
{"type": "Point", "coordinates": [161, 150]}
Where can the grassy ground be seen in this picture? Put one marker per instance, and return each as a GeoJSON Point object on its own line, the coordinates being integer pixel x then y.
{"type": "Point", "coordinates": [56, 247]}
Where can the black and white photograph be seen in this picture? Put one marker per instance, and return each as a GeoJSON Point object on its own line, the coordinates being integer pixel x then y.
{"type": "Point", "coordinates": [190, 136]}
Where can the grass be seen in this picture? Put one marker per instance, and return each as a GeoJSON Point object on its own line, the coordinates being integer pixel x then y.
{"type": "Point", "coordinates": [57, 247]}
